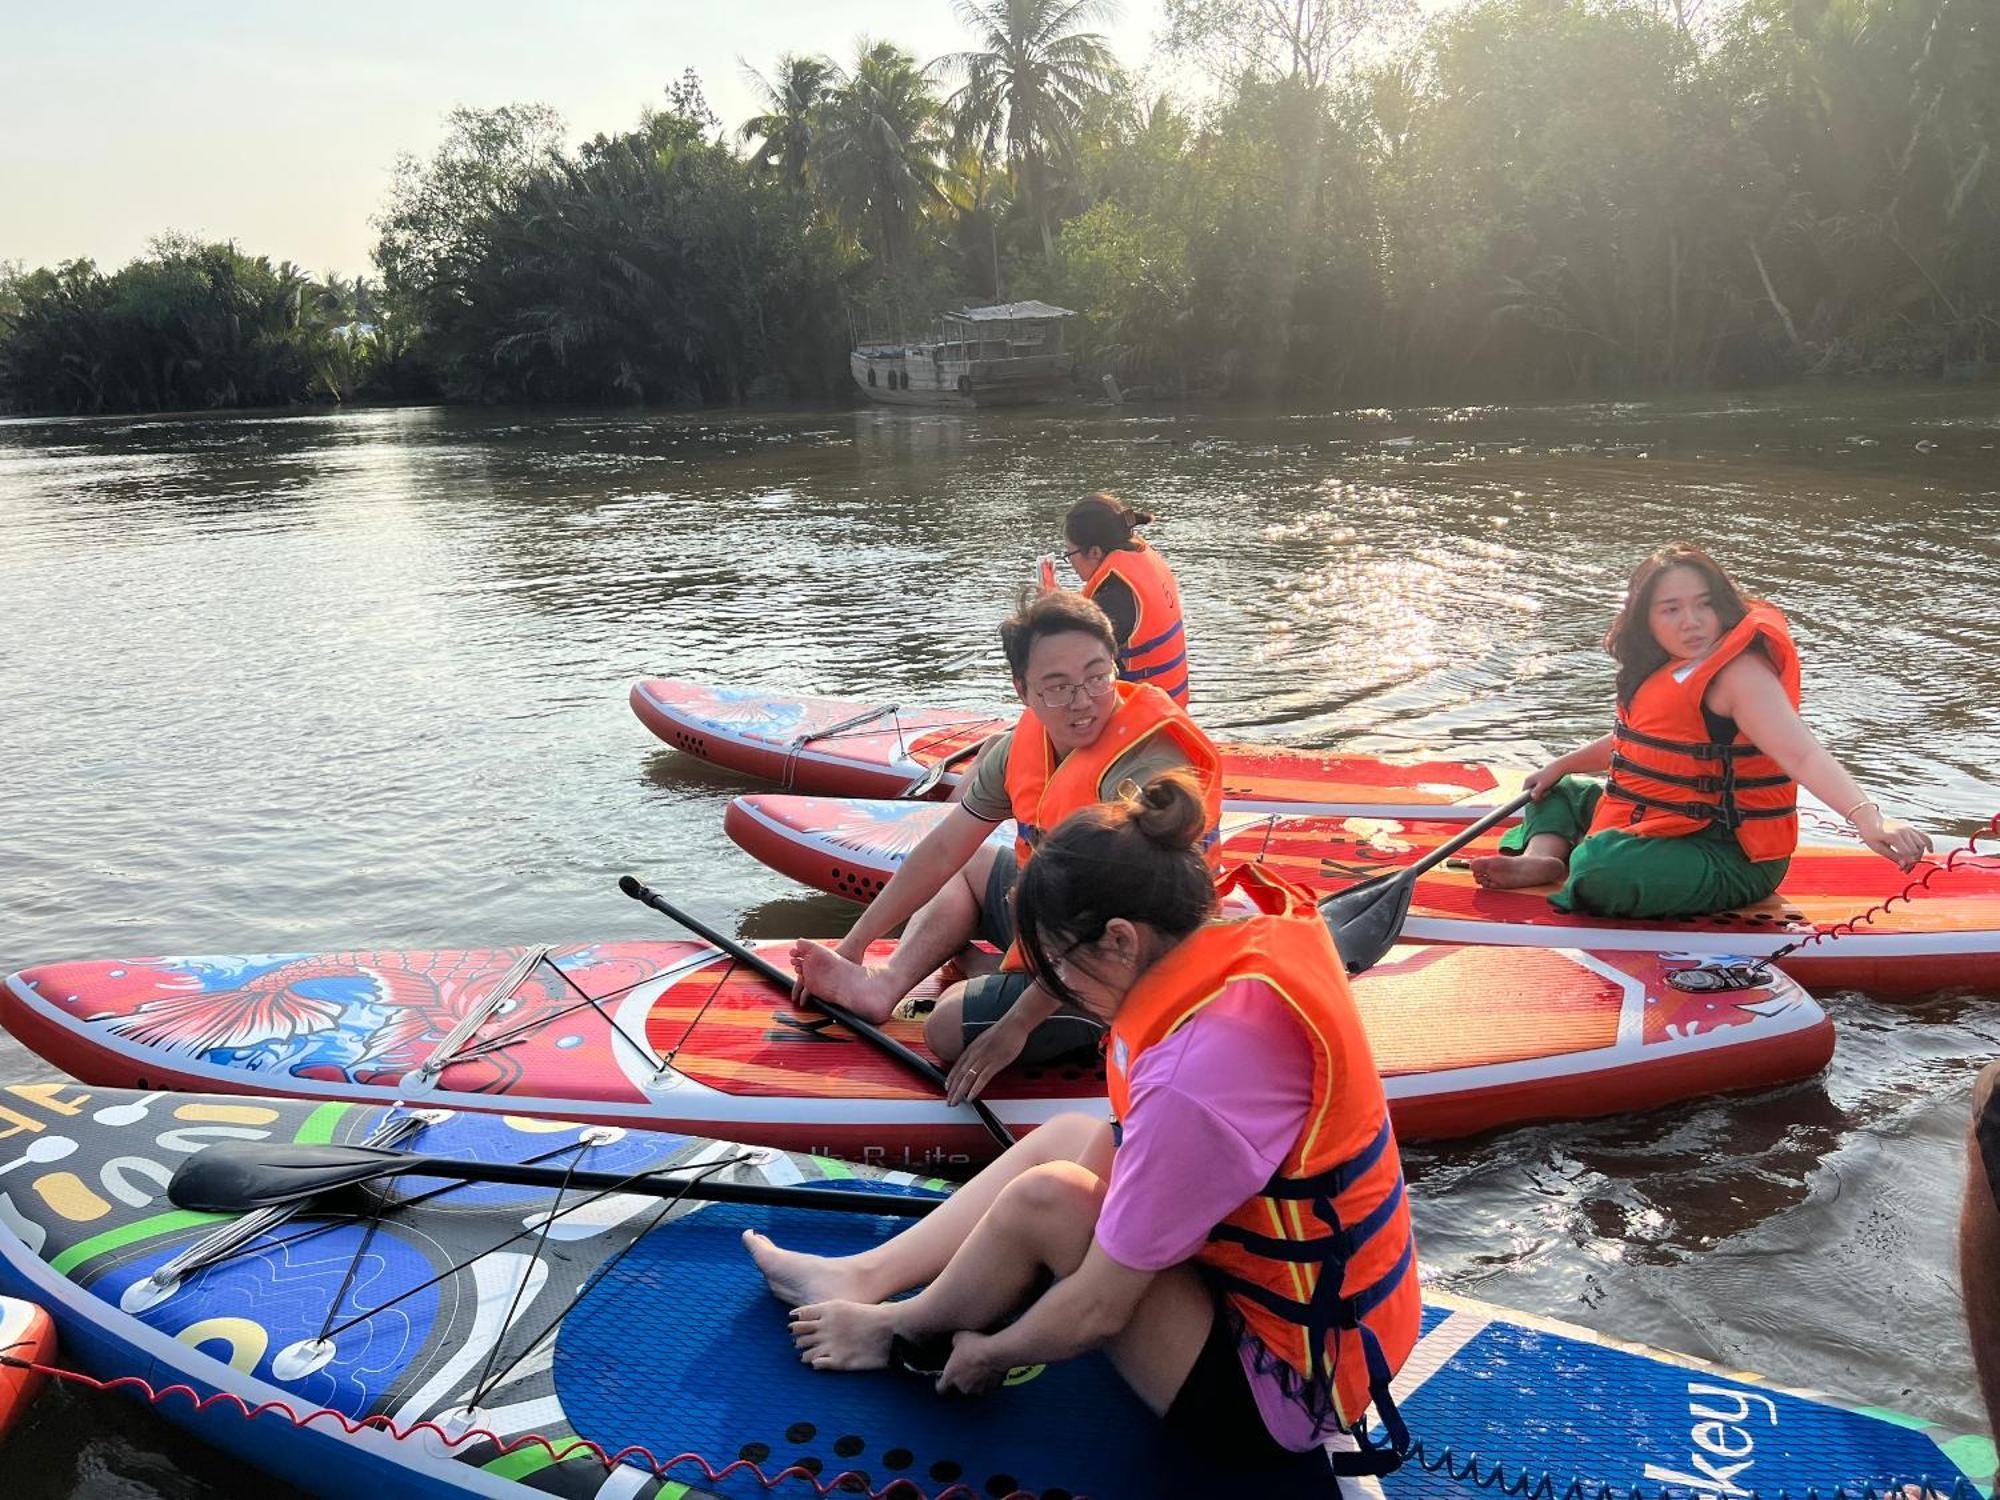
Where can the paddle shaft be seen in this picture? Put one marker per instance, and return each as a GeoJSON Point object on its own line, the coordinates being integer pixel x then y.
{"type": "Point", "coordinates": [238, 1177]}
{"type": "Point", "coordinates": [869, 1032]}
{"type": "Point", "coordinates": [1465, 836]}
{"type": "Point", "coordinates": [706, 1189]}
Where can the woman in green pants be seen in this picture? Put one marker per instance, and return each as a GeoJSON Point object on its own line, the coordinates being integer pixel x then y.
{"type": "Point", "coordinates": [1700, 811]}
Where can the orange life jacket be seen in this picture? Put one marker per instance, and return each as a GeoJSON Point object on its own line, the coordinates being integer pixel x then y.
{"type": "Point", "coordinates": [1043, 791]}
{"type": "Point", "coordinates": [1156, 651]}
{"type": "Point", "coordinates": [1676, 767]}
{"type": "Point", "coordinates": [1321, 1264]}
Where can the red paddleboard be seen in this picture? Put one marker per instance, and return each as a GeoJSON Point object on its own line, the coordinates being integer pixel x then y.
{"type": "Point", "coordinates": [837, 747]}
{"type": "Point", "coordinates": [1947, 936]}
{"type": "Point", "coordinates": [1468, 1040]}
{"type": "Point", "coordinates": [25, 1334]}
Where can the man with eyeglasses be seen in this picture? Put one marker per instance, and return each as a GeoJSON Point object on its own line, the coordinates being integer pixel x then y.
{"type": "Point", "coordinates": [1082, 735]}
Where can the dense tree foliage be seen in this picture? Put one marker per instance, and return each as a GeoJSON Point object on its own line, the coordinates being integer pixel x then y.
{"type": "Point", "coordinates": [1519, 197]}
{"type": "Point", "coordinates": [191, 327]}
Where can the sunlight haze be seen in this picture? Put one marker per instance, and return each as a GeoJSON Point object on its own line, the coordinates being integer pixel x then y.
{"type": "Point", "coordinates": [278, 128]}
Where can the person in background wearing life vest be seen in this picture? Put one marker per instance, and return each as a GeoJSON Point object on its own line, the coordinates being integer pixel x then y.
{"type": "Point", "coordinates": [1080, 735]}
{"type": "Point", "coordinates": [1700, 813]}
{"type": "Point", "coordinates": [1239, 1242]}
{"type": "Point", "coordinates": [1127, 578]}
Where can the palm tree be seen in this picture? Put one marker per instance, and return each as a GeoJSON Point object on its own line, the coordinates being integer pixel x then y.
{"type": "Point", "coordinates": [1030, 85]}
{"type": "Point", "coordinates": [788, 127]}
{"type": "Point", "coordinates": [881, 148]}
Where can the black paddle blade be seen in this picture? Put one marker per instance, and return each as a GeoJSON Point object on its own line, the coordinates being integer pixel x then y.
{"type": "Point", "coordinates": [1366, 919]}
{"type": "Point", "coordinates": [233, 1177]}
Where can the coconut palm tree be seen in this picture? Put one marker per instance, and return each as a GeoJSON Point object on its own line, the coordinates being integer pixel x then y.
{"type": "Point", "coordinates": [882, 149]}
{"type": "Point", "coordinates": [788, 127]}
{"type": "Point", "coordinates": [1028, 86]}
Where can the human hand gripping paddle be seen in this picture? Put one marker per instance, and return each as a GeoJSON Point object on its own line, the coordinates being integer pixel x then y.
{"type": "Point", "coordinates": [1366, 919]}
{"type": "Point", "coordinates": [922, 1066]}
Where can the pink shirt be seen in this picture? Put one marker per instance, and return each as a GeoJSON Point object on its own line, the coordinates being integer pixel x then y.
{"type": "Point", "coordinates": [1215, 1109]}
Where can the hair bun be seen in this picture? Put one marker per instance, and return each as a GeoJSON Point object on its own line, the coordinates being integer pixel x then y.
{"type": "Point", "coordinates": [1169, 811]}
{"type": "Point", "coordinates": [1133, 517]}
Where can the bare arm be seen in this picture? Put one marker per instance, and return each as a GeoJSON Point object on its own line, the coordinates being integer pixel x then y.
{"type": "Point", "coordinates": [1587, 759]}
{"type": "Point", "coordinates": [1748, 691]}
{"type": "Point", "coordinates": [940, 856]}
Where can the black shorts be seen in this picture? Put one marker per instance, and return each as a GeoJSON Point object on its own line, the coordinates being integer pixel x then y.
{"type": "Point", "coordinates": [1214, 1423]}
{"type": "Point", "coordinates": [996, 903]}
{"type": "Point", "coordinates": [1065, 1036]}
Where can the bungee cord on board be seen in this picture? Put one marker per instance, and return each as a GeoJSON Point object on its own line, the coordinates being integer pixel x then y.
{"type": "Point", "coordinates": [1755, 973]}
{"type": "Point", "coordinates": [1470, 1469]}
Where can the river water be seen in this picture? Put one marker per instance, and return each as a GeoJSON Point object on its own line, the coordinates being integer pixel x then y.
{"type": "Point", "coordinates": [320, 682]}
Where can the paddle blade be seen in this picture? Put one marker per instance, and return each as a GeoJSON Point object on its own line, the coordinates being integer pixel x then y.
{"type": "Point", "coordinates": [1367, 919]}
{"type": "Point", "coordinates": [233, 1177]}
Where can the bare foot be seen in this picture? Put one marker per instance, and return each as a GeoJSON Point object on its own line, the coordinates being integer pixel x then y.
{"type": "Point", "coordinates": [845, 1335]}
{"type": "Point", "coordinates": [796, 1278]}
{"type": "Point", "coordinates": [1510, 872]}
{"type": "Point", "coordinates": [867, 991]}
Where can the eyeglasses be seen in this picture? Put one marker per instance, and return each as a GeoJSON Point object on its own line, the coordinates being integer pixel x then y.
{"type": "Point", "coordinates": [1096, 685]}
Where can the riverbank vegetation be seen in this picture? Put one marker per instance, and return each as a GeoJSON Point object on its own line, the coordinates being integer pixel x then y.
{"type": "Point", "coordinates": [1514, 198]}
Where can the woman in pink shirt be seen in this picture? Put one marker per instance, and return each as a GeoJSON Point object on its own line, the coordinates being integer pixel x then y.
{"type": "Point", "coordinates": [1081, 1256]}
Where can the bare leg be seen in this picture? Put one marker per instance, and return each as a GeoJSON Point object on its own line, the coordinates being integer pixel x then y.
{"type": "Point", "coordinates": [944, 1027]}
{"type": "Point", "coordinates": [922, 1251]}
{"type": "Point", "coordinates": [1042, 1222]}
{"type": "Point", "coordinates": [1979, 1258]}
{"type": "Point", "coordinates": [941, 928]}
{"type": "Point", "coordinates": [1544, 862]}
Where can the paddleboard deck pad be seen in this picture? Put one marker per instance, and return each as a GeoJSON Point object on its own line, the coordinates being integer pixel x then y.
{"type": "Point", "coordinates": [1946, 936]}
{"type": "Point", "coordinates": [673, 1035]}
{"type": "Point", "coordinates": [459, 1338]}
{"type": "Point", "coordinates": [845, 748]}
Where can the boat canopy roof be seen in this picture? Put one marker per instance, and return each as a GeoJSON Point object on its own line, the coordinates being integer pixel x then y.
{"type": "Point", "coordinates": [1008, 312]}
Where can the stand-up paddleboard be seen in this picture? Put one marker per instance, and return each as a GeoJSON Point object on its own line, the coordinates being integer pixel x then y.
{"type": "Point", "coordinates": [1468, 1039]}
{"type": "Point", "coordinates": [27, 1338]}
{"type": "Point", "coordinates": [843, 748]}
{"type": "Point", "coordinates": [471, 1338]}
{"type": "Point", "coordinates": [1947, 936]}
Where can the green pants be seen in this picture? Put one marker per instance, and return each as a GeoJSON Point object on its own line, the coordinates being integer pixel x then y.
{"type": "Point", "coordinates": [1620, 874]}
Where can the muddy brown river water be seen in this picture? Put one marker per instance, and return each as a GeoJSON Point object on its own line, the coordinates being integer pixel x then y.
{"type": "Point", "coordinates": [318, 682]}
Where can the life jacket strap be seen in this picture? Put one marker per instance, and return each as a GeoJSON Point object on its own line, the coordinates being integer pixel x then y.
{"type": "Point", "coordinates": [1146, 674]}
{"type": "Point", "coordinates": [1715, 785]}
{"type": "Point", "coordinates": [1700, 749]}
{"type": "Point", "coordinates": [1727, 812]}
{"type": "Point", "coordinates": [1328, 1311]}
{"type": "Point", "coordinates": [1337, 1178]}
{"type": "Point", "coordinates": [1139, 648]}
{"type": "Point", "coordinates": [1370, 1459]}
{"type": "Point", "coordinates": [1340, 1245]}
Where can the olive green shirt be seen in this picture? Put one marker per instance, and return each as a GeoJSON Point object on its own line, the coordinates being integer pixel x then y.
{"type": "Point", "coordinates": [984, 793]}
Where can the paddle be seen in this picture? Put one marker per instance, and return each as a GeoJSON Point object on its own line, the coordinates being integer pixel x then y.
{"type": "Point", "coordinates": [1366, 919]}
{"type": "Point", "coordinates": [234, 1177]}
{"type": "Point", "coordinates": [924, 783]}
{"type": "Point", "coordinates": [922, 1066]}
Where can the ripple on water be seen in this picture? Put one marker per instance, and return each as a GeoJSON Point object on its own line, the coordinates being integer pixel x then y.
{"type": "Point", "coordinates": [314, 682]}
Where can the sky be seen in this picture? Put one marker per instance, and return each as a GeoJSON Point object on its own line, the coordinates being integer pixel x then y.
{"type": "Point", "coordinates": [277, 126]}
